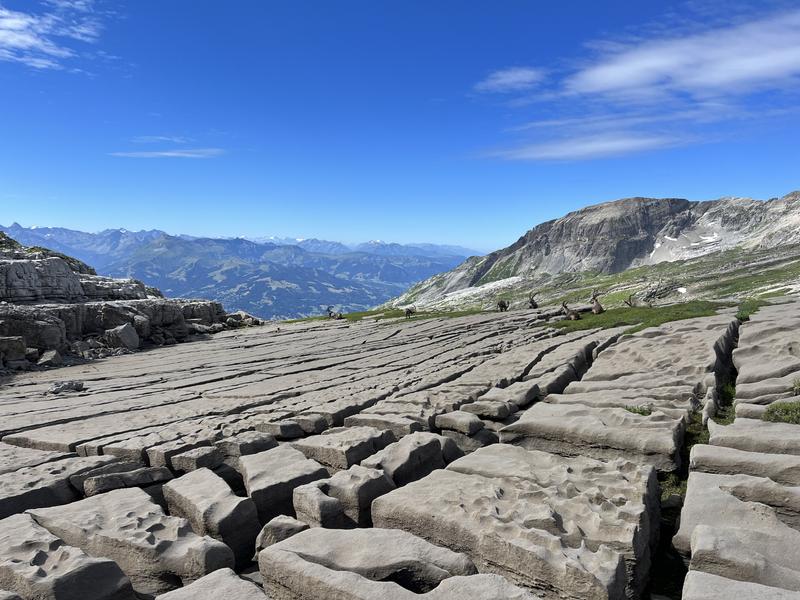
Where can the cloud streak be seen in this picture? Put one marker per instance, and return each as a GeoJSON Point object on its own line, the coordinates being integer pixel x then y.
{"type": "Point", "coordinates": [512, 79]}
{"type": "Point", "coordinates": [589, 147]}
{"type": "Point", "coordinates": [175, 153]}
{"type": "Point", "coordinates": [661, 89]}
{"type": "Point", "coordinates": [43, 40]}
{"type": "Point", "coordinates": [157, 139]}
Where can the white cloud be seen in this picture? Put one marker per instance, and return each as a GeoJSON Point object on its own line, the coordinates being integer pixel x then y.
{"type": "Point", "coordinates": [156, 139]}
{"type": "Point", "coordinates": [687, 78]}
{"type": "Point", "coordinates": [736, 59]}
{"type": "Point", "coordinates": [512, 79]}
{"type": "Point", "coordinates": [42, 40]}
{"type": "Point", "coordinates": [589, 147]}
{"type": "Point", "coordinates": [176, 153]}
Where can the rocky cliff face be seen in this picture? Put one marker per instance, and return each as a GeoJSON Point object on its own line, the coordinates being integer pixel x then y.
{"type": "Point", "coordinates": [52, 304]}
{"type": "Point", "coordinates": [615, 236]}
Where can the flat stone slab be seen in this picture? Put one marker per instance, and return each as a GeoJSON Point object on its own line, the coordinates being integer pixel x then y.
{"type": "Point", "coordinates": [206, 501]}
{"type": "Point", "coordinates": [572, 528]}
{"type": "Point", "coordinates": [343, 447]}
{"type": "Point", "coordinates": [729, 530]}
{"type": "Point", "coordinates": [145, 476]}
{"type": "Point", "coordinates": [157, 552]}
{"type": "Point", "coordinates": [43, 485]}
{"type": "Point", "coordinates": [754, 435]}
{"type": "Point", "coordinates": [367, 564]}
{"type": "Point", "coordinates": [721, 460]}
{"type": "Point", "coordinates": [247, 442]}
{"type": "Point", "coordinates": [271, 476]}
{"type": "Point", "coordinates": [13, 458]}
{"type": "Point", "coordinates": [34, 563]}
{"type": "Point", "coordinates": [705, 586]}
{"type": "Point", "coordinates": [222, 584]}
{"type": "Point", "coordinates": [603, 433]}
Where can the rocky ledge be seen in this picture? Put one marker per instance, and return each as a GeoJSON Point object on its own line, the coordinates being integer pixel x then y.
{"type": "Point", "coordinates": [54, 307]}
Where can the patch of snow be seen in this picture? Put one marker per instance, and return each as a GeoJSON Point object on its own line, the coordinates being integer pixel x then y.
{"type": "Point", "coordinates": [671, 239]}
{"type": "Point", "coordinates": [682, 290]}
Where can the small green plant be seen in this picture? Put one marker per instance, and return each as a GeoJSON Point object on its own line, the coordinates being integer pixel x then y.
{"type": "Point", "coordinates": [796, 387]}
{"type": "Point", "coordinates": [645, 411]}
{"type": "Point", "coordinates": [747, 308]}
{"type": "Point", "coordinates": [783, 412]}
{"type": "Point", "coordinates": [673, 484]}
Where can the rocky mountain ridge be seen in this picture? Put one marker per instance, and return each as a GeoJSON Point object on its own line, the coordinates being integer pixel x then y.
{"type": "Point", "coordinates": [615, 236]}
{"type": "Point", "coordinates": [265, 278]}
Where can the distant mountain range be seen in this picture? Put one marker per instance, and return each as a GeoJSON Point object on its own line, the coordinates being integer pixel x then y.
{"type": "Point", "coordinates": [612, 237]}
{"type": "Point", "coordinates": [269, 277]}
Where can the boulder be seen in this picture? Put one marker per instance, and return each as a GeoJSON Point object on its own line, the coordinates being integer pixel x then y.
{"type": "Point", "coordinates": [247, 442]}
{"type": "Point", "coordinates": [207, 502]}
{"type": "Point", "coordinates": [197, 458]}
{"type": "Point", "coordinates": [124, 336]}
{"type": "Point", "coordinates": [414, 457]}
{"type": "Point", "coordinates": [50, 358]}
{"type": "Point", "coordinates": [342, 447]}
{"type": "Point", "coordinates": [458, 420]}
{"type": "Point", "coordinates": [222, 584]}
{"type": "Point", "coordinates": [278, 529]}
{"type": "Point", "coordinates": [142, 477]}
{"type": "Point", "coordinates": [271, 476]}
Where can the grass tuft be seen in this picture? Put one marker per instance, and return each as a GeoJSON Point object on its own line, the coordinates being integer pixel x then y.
{"type": "Point", "coordinates": [796, 387]}
{"type": "Point", "coordinates": [783, 412]}
{"type": "Point", "coordinates": [645, 411]}
{"type": "Point", "coordinates": [748, 307]}
{"type": "Point", "coordinates": [642, 317]}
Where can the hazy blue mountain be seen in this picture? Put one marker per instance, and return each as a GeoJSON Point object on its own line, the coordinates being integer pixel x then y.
{"type": "Point", "coordinates": [280, 278]}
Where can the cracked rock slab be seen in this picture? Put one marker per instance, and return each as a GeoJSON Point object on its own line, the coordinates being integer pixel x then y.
{"type": "Point", "coordinates": [157, 552]}
{"type": "Point", "coordinates": [571, 528]}
{"type": "Point", "coordinates": [271, 476]}
{"type": "Point", "coordinates": [729, 528]}
{"type": "Point", "coordinates": [206, 501]}
{"type": "Point", "coordinates": [44, 485]}
{"type": "Point", "coordinates": [36, 564]}
{"type": "Point", "coordinates": [754, 435]}
{"type": "Point", "coordinates": [705, 586]}
{"type": "Point", "coordinates": [343, 447]}
{"type": "Point", "coordinates": [602, 433]}
{"type": "Point", "coordinates": [367, 564]}
{"type": "Point", "coordinates": [781, 468]}
{"type": "Point", "coordinates": [414, 457]}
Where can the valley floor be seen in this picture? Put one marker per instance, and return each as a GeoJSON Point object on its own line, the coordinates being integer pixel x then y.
{"type": "Point", "coordinates": [488, 456]}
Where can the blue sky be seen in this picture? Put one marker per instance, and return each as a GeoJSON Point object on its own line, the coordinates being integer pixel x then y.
{"type": "Point", "coordinates": [415, 120]}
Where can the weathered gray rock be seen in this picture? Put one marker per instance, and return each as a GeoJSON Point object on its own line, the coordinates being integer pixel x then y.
{"type": "Point", "coordinates": [207, 502]}
{"type": "Point", "coordinates": [247, 442]}
{"type": "Point", "coordinates": [222, 584]}
{"type": "Point", "coordinates": [781, 468]}
{"type": "Point", "coordinates": [161, 455]}
{"type": "Point", "coordinates": [470, 443]}
{"type": "Point", "coordinates": [50, 358]}
{"type": "Point", "coordinates": [281, 430]}
{"type": "Point", "coordinates": [105, 482]}
{"type": "Point", "coordinates": [44, 485]}
{"type": "Point", "coordinates": [36, 564]}
{"type": "Point", "coordinates": [732, 526]}
{"type": "Point", "coordinates": [124, 336]}
{"type": "Point", "coordinates": [753, 435]}
{"type": "Point", "coordinates": [155, 551]}
{"type": "Point", "coordinates": [271, 476]}
{"type": "Point", "coordinates": [13, 458]}
{"type": "Point", "coordinates": [366, 564]}
{"type": "Point", "coordinates": [197, 458]}
{"type": "Point", "coordinates": [342, 447]}
{"type": "Point", "coordinates": [414, 457]}
{"type": "Point", "coordinates": [460, 421]}
{"type": "Point", "coordinates": [603, 433]}
{"type": "Point", "coordinates": [578, 528]}
{"type": "Point", "coordinates": [4, 595]}
{"type": "Point", "coordinates": [489, 409]}
{"type": "Point", "coordinates": [705, 586]}
{"type": "Point", "coordinates": [397, 425]}
{"type": "Point", "coordinates": [278, 529]}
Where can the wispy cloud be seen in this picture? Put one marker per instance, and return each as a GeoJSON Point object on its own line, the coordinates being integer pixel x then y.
{"type": "Point", "coordinates": [174, 153]}
{"type": "Point", "coordinates": [512, 79]}
{"type": "Point", "coordinates": [738, 59]}
{"type": "Point", "coordinates": [588, 147]}
{"type": "Point", "coordinates": [157, 139]}
{"type": "Point", "coordinates": [44, 40]}
{"type": "Point", "coordinates": [680, 81]}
